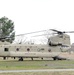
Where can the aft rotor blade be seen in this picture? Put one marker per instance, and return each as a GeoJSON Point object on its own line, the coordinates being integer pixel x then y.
{"type": "Point", "coordinates": [61, 32]}
{"type": "Point", "coordinates": [58, 32]}
{"type": "Point", "coordinates": [30, 33]}
{"type": "Point", "coordinates": [40, 35]}
{"type": "Point", "coordinates": [69, 32]}
{"type": "Point", "coordinates": [55, 30]}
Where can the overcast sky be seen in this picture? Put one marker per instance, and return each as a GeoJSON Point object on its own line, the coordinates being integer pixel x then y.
{"type": "Point", "coordinates": [35, 15]}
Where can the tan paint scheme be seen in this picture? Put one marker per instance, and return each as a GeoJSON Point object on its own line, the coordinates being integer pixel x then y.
{"type": "Point", "coordinates": [23, 50]}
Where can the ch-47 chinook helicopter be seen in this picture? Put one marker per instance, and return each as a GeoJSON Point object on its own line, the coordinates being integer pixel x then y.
{"type": "Point", "coordinates": [57, 44]}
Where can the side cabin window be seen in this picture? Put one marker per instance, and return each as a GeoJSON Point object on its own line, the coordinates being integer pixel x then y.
{"type": "Point", "coordinates": [17, 49]}
{"type": "Point", "coordinates": [28, 49]}
{"type": "Point", "coordinates": [6, 49]}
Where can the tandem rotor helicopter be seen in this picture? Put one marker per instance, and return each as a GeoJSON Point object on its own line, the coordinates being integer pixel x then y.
{"type": "Point", "coordinates": [56, 44]}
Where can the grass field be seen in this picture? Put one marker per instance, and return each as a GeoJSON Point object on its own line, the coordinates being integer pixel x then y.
{"type": "Point", "coordinates": [36, 64]}
{"type": "Point", "coordinates": [11, 64]}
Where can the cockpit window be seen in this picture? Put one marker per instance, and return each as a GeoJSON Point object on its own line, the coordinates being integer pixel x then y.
{"type": "Point", "coordinates": [6, 49]}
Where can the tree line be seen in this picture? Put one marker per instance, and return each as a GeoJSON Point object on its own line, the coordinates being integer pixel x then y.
{"type": "Point", "coordinates": [7, 32]}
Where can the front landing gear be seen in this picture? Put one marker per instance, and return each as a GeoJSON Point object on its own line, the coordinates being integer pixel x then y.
{"type": "Point", "coordinates": [4, 58]}
{"type": "Point", "coordinates": [20, 59]}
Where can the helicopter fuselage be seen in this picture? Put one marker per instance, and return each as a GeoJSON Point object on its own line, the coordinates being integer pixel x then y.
{"type": "Point", "coordinates": [56, 45]}
{"type": "Point", "coordinates": [30, 51]}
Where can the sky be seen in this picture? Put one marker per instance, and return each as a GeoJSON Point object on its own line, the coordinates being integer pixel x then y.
{"type": "Point", "coordinates": [36, 15]}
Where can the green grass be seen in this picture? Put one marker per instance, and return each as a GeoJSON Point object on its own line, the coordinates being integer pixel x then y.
{"type": "Point", "coordinates": [35, 64]}
{"type": "Point", "coordinates": [11, 64]}
{"type": "Point", "coordinates": [21, 65]}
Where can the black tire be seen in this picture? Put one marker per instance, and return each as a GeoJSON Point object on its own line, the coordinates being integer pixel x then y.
{"type": "Point", "coordinates": [20, 59]}
{"type": "Point", "coordinates": [32, 58]}
{"type": "Point", "coordinates": [54, 58]}
{"type": "Point", "coordinates": [4, 58]}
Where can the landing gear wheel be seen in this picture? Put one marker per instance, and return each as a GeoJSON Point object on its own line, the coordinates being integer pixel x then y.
{"type": "Point", "coordinates": [32, 58]}
{"type": "Point", "coordinates": [4, 58]}
{"type": "Point", "coordinates": [54, 58]}
{"type": "Point", "coordinates": [42, 58]}
{"type": "Point", "coordinates": [14, 57]}
{"type": "Point", "coordinates": [20, 59]}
